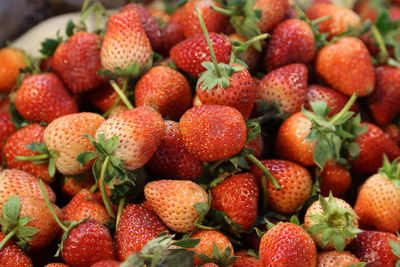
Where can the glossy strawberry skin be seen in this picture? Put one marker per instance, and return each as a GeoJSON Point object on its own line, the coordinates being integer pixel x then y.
{"type": "Point", "coordinates": [272, 12]}
{"type": "Point", "coordinates": [6, 127]}
{"type": "Point", "coordinates": [334, 178]}
{"type": "Point", "coordinates": [245, 260]}
{"type": "Point", "coordinates": [190, 53]}
{"type": "Point", "coordinates": [137, 226]}
{"type": "Point", "coordinates": [12, 255]}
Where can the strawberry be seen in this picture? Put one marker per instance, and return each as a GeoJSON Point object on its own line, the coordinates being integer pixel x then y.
{"type": "Point", "coordinates": [12, 255]}
{"type": "Point", "coordinates": [83, 205]}
{"type": "Point", "coordinates": [250, 56]}
{"type": "Point", "coordinates": [237, 197]}
{"type": "Point", "coordinates": [164, 89]}
{"type": "Point", "coordinates": [189, 54]}
{"type": "Point", "coordinates": [336, 258]}
{"type": "Point", "coordinates": [149, 24]}
{"type": "Point", "coordinates": [256, 144]}
{"type": "Point", "coordinates": [393, 130]}
{"type": "Point", "coordinates": [72, 185]}
{"type": "Point", "coordinates": [105, 97]}
{"type": "Point", "coordinates": [106, 263]}
{"type": "Point", "coordinates": [43, 98]}
{"type": "Point", "coordinates": [246, 260]}
{"type": "Point", "coordinates": [77, 62]}
{"type": "Point", "coordinates": [6, 127]}
{"type": "Point", "coordinates": [292, 41]}
{"type": "Point", "coordinates": [56, 265]}
{"type": "Point", "coordinates": [171, 34]}
{"type": "Point", "coordinates": [341, 18]}
{"type": "Point", "coordinates": [272, 12]}
{"type": "Point", "coordinates": [172, 159]}
{"type": "Point", "coordinates": [125, 43]}
{"type": "Point", "coordinates": [12, 60]}
{"type": "Point", "coordinates": [383, 102]}
{"type": "Point", "coordinates": [332, 223]}
{"type": "Point", "coordinates": [207, 129]}
{"type": "Point", "coordinates": [334, 178]}
{"type": "Point", "coordinates": [173, 200]}
{"type": "Point", "coordinates": [287, 244]}
{"type": "Point", "coordinates": [295, 182]}
{"type": "Point", "coordinates": [136, 227]}
{"type": "Point", "coordinates": [286, 85]}
{"type": "Point", "coordinates": [16, 146]}
{"type": "Point", "coordinates": [346, 66]}
{"type": "Point", "coordinates": [377, 199]}
{"type": "Point", "coordinates": [373, 248]}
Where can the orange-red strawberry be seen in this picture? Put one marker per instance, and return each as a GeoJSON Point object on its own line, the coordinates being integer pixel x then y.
{"type": "Point", "coordinates": [286, 85]}
{"type": "Point", "coordinates": [16, 146]}
{"type": "Point", "coordinates": [164, 89]}
{"type": "Point", "coordinates": [136, 227]}
{"type": "Point", "coordinates": [12, 60]}
{"type": "Point", "coordinates": [12, 255]}
{"type": "Point", "coordinates": [173, 200]}
{"type": "Point", "coordinates": [287, 244]}
{"type": "Point", "coordinates": [335, 258]}
{"type": "Point", "coordinates": [292, 41]}
{"type": "Point", "coordinates": [190, 53]}
{"type": "Point", "coordinates": [334, 178]}
{"type": "Point", "coordinates": [246, 260]}
{"type": "Point", "coordinates": [272, 12]}
{"type": "Point", "coordinates": [171, 159]}
{"type": "Point", "coordinates": [295, 182]}
{"type": "Point", "coordinates": [237, 197]}
{"type": "Point", "coordinates": [383, 102]}
{"type": "Point", "coordinates": [72, 185]}
{"type": "Point", "coordinates": [43, 98]}
{"type": "Point", "coordinates": [6, 127]}
{"type": "Point", "coordinates": [208, 129]}
{"type": "Point", "coordinates": [346, 66]}
{"type": "Point", "coordinates": [125, 42]}
{"type": "Point", "coordinates": [78, 60]}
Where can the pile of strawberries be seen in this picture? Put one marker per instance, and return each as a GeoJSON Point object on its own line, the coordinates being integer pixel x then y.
{"type": "Point", "coordinates": [212, 133]}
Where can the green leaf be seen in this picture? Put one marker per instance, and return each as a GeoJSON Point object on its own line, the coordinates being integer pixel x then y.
{"type": "Point", "coordinates": [26, 232]}
{"type": "Point", "coordinates": [294, 219]}
{"type": "Point", "coordinates": [187, 243]}
{"type": "Point", "coordinates": [11, 210]}
{"type": "Point", "coordinates": [327, 236]}
{"type": "Point", "coordinates": [86, 156]}
{"type": "Point", "coordinates": [338, 242]}
{"type": "Point", "coordinates": [24, 220]}
{"type": "Point", "coordinates": [395, 247]}
{"type": "Point", "coordinates": [317, 228]}
{"type": "Point", "coordinates": [69, 30]}
{"type": "Point", "coordinates": [49, 46]}
{"type": "Point", "coordinates": [52, 168]}
{"type": "Point", "coordinates": [202, 208]}
{"type": "Point", "coordinates": [16, 118]}
{"type": "Point", "coordinates": [354, 150]}
{"type": "Point", "coordinates": [322, 153]}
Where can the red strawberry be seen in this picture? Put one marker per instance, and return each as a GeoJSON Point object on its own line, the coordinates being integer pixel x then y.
{"type": "Point", "coordinates": [190, 53]}
{"type": "Point", "coordinates": [106, 263]}
{"type": "Point", "coordinates": [43, 98]}
{"type": "Point", "coordinates": [56, 265]}
{"type": "Point", "coordinates": [171, 34]}
{"type": "Point", "coordinates": [207, 129]}
{"type": "Point", "coordinates": [256, 144]}
{"type": "Point", "coordinates": [335, 179]}
{"type": "Point", "coordinates": [246, 260]}
{"type": "Point", "coordinates": [6, 127]}
{"type": "Point", "coordinates": [78, 60]}
{"type": "Point", "coordinates": [237, 197]}
{"type": "Point", "coordinates": [346, 66]}
{"type": "Point", "coordinates": [295, 182]}
{"type": "Point", "coordinates": [272, 12]}
{"type": "Point", "coordinates": [12, 60]}
{"type": "Point", "coordinates": [393, 131]}
{"type": "Point", "coordinates": [383, 102]}
{"type": "Point", "coordinates": [292, 41]}
{"type": "Point", "coordinates": [171, 159]}
{"type": "Point", "coordinates": [136, 227]}
{"type": "Point", "coordinates": [105, 97]}
{"type": "Point", "coordinates": [287, 244]}
{"type": "Point", "coordinates": [72, 185]}
{"type": "Point", "coordinates": [336, 258]}
{"type": "Point", "coordinates": [164, 89]}
{"type": "Point", "coordinates": [286, 85]}
{"type": "Point", "coordinates": [12, 255]}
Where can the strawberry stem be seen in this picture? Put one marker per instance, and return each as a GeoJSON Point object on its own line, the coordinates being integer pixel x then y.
{"type": "Point", "coordinates": [383, 54]}
{"type": "Point", "coordinates": [264, 170]}
{"type": "Point", "coordinates": [46, 198]}
{"type": "Point", "coordinates": [222, 11]}
{"type": "Point", "coordinates": [345, 109]}
{"type": "Point", "coordinates": [8, 237]}
{"type": "Point", "coordinates": [121, 94]}
{"type": "Point", "coordinates": [32, 158]}
{"type": "Point", "coordinates": [265, 198]}
{"type": "Point", "coordinates": [116, 103]}
{"type": "Point", "coordinates": [210, 47]}
{"type": "Point", "coordinates": [103, 188]}
{"type": "Point", "coordinates": [94, 188]}
{"type": "Point", "coordinates": [85, 6]}
{"type": "Point", "coordinates": [120, 208]}
{"type": "Point", "coordinates": [215, 165]}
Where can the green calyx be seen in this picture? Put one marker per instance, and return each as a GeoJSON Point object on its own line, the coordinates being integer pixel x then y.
{"type": "Point", "coordinates": [396, 250]}
{"type": "Point", "coordinates": [45, 156]}
{"type": "Point", "coordinates": [335, 224]}
{"type": "Point", "coordinates": [221, 258]}
{"type": "Point", "coordinates": [391, 170]}
{"type": "Point", "coordinates": [334, 136]}
{"type": "Point", "coordinates": [14, 225]}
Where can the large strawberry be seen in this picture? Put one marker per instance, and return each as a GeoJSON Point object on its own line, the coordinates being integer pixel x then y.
{"type": "Point", "coordinates": [12, 61]}
{"type": "Point", "coordinates": [12, 255]}
{"type": "Point", "coordinates": [43, 98]}
{"type": "Point", "coordinates": [78, 60]}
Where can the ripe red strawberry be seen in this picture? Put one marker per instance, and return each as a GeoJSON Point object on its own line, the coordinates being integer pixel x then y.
{"type": "Point", "coordinates": [373, 248]}
{"type": "Point", "coordinates": [12, 255]}
{"type": "Point", "coordinates": [286, 85]}
{"type": "Point", "coordinates": [336, 258]}
{"type": "Point", "coordinates": [173, 200]}
{"type": "Point", "coordinates": [43, 98]}
{"type": "Point", "coordinates": [106, 263]}
{"type": "Point", "coordinates": [346, 66]}
{"type": "Point", "coordinates": [245, 260]}
{"type": "Point", "coordinates": [334, 178]}
{"type": "Point", "coordinates": [15, 146]}
{"type": "Point", "coordinates": [215, 22]}
{"type": "Point", "coordinates": [12, 60]}
{"type": "Point", "coordinates": [393, 131]}
{"type": "Point", "coordinates": [125, 42]}
{"type": "Point", "coordinates": [149, 24]}
{"type": "Point", "coordinates": [295, 182]}
{"type": "Point", "coordinates": [136, 227]}
{"type": "Point", "coordinates": [383, 102]}
{"type": "Point", "coordinates": [287, 244]}
{"type": "Point", "coordinates": [78, 60]}
{"type": "Point", "coordinates": [340, 20]}
{"type": "Point", "coordinates": [171, 34]}
{"type": "Point", "coordinates": [373, 144]}
{"type": "Point", "coordinates": [237, 197]}
{"type": "Point", "coordinates": [207, 129]}
{"type": "Point", "coordinates": [292, 41]}
{"type": "Point", "coordinates": [171, 159]}
{"type": "Point", "coordinates": [190, 53]}
{"type": "Point", "coordinates": [333, 98]}
{"type": "Point", "coordinates": [6, 127]}
{"type": "Point", "coordinates": [272, 12]}
{"type": "Point", "coordinates": [72, 185]}
{"type": "Point", "coordinates": [164, 89]}
{"type": "Point", "coordinates": [140, 131]}
{"type": "Point", "coordinates": [256, 144]}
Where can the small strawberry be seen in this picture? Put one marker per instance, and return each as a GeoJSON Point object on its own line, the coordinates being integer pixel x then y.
{"type": "Point", "coordinates": [335, 258]}
{"type": "Point", "coordinates": [72, 185]}
{"type": "Point", "coordinates": [334, 178]}
{"type": "Point", "coordinates": [393, 130]}
{"type": "Point", "coordinates": [246, 260]}
{"type": "Point", "coordinates": [12, 60]}
{"type": "Point", "coordinates": [173, 201]}
{"type": "Point", "coordinates": [12, 255]}
{"type": "Point", "coordinates": [43, 98]}
{"type": "Point", "coordinates": [287, 244]}
{"type": "Point", "coordinates": [107, 263]}
{"type": "Point", "coordinates": [136, 227]}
